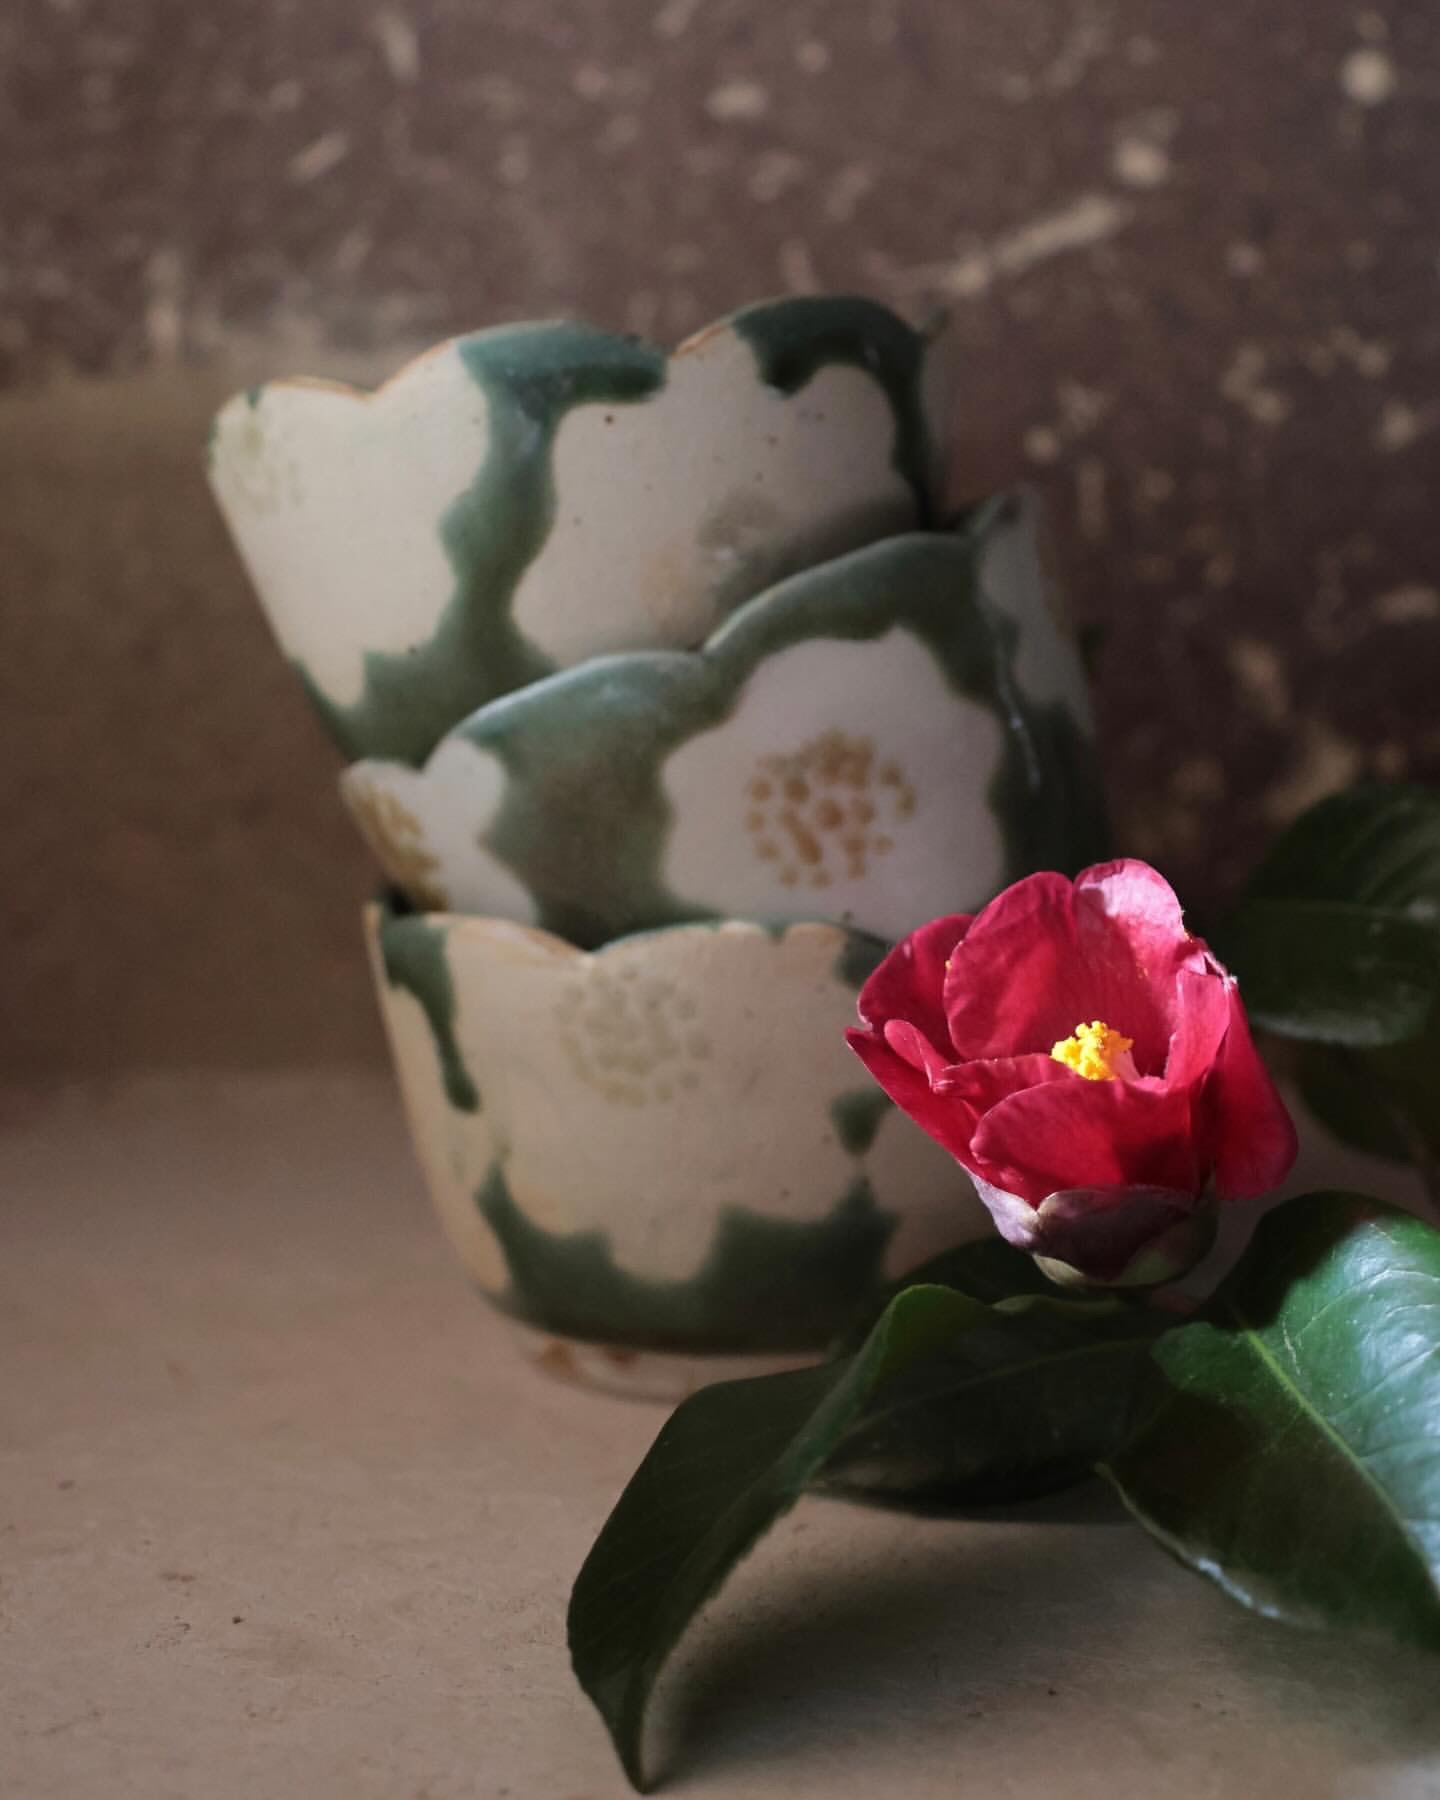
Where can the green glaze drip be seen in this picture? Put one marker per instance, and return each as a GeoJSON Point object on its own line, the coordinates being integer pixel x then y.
{"type": "Point", "coordinates": [585, 818]}
{"type": "Point", "coordinates": [860, 956]}
{"type": "Point", "coordinates": [1052, 801]}
{"type": "Point", "coordinates": [531, 375]}
{"type": "Point", "coordinates": [794, 339]}
{"type": "Point", "coordinates": [767, 1284]}
{"type": "Point", "coordinates": [856, 1117]}
{"type": "Point", "coordinates": [413, 951]}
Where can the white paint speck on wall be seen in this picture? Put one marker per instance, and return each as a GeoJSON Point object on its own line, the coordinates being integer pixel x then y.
{"type": "Point", "coordinates": [1368, 76]}
{"type": "Point", "coordinates": [737, 100]}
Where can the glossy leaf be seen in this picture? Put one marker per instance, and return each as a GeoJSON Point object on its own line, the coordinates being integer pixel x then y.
{"type": "Point", "coordinates": [986, 1269]}
{"type": "Point", "coordinates": [1025, 1403]}
{"type": "Point", "coordinates": [1333, 971]}
{"type": "Point", "coordinates": [730, 1462]}
{"type": "Point", "coordinates": [1294, 1452]}
{"type": "Point", "coordinates": [1386, 1102]}
{"type": "Point", "coordinates": [1375, 845]}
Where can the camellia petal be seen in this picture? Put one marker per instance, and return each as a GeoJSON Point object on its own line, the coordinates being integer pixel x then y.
{"type": "Point", "coordinates": [1013, 986]}
{"type": "Point", "coordinates": [1132, 938]}
{"type": "Point", "coordinates": [1048, 952]}
{"type": "Point", "coordinates": [1091, 1151]}
{"type": "Point", "coordinates": [912, 1046]}
{"type": "Point", "coordinates": [982, 1085]}
{"type": "Point", "coordinates": [1100, 1134]}
{"type": "Point", "coordinates": [1202, 1020]}
{"type": "Point", "coordinates": [909, 982]}
{"type": "Point", "coordinates": [1253, 1135]}
{"type": "Point", "coordinates": [908, 1085]}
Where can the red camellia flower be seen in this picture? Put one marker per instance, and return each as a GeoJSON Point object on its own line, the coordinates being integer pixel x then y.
{"type": "Point", "coordinates": [1089, 1062]}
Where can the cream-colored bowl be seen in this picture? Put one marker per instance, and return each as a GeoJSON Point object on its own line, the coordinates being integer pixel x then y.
{"type": "Point", "coordinates": [888, 736]}
{"type": "Point", "coordinates": [527, 497]}
{"type": "Point", "coordinates": [659, 1157]}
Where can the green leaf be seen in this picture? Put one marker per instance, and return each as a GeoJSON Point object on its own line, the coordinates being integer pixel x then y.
{"type": "Point", "coordinates": [1026, 1402]}
{"type": "Point", "coordinates": [730, 1462]}
{"type": "Point", "coordinates": [946, 1399]}
{"type": "Point", "coordinates": [1023, 1403]}
{"type": "Point", "coordinates": [1371, 847]}
{"type": "Point", "coordinates": [1376, 845]}
{"type": "Point", "coordinates": [1336, 938]}
{"type": "Point", "coordinates": [987, 1269]}
{"type": "Point", "coordinates": [1333, 971]}
{"type": "Point", "coordinates": [1386, 1103]}
{"type": "Point", "coordinates": [1294, 1453]}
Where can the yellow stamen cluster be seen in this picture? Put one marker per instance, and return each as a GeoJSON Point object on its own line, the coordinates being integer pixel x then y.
{"type": "Point", "coordinates": [1093, 1051]}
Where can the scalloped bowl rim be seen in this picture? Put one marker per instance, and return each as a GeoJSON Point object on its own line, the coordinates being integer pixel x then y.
{"type": "Point", "coordinates": [547, 686]}
{"type": "Point", "coordinates": [380, 912]}
{"type": "Point", "coordinates": [352, 390]}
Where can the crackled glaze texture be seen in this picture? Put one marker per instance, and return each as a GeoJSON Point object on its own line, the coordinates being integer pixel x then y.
{"type": "Point", "coordinates": [524, 498]}
{"type": "Point", "coordinates": [883, 738]}
{"type": "Point", "coordinates": [577, 1115]}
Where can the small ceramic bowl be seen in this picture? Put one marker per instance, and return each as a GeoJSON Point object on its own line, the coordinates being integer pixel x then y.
{"type": "Point", "coordinates": [525, 498]}
{"type": "Point", "coordinates": [883, 738]}
{"type": "Point", "coordinates": [659, 1158]}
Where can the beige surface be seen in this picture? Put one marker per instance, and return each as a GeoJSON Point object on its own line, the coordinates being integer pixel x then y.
{"type": "Point", "coordinates": [181, 883]}
{"type": "Point", "coordinates": [281, 1515]}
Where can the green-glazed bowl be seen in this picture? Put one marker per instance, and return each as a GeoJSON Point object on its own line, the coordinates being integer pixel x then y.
{"type": "Point", "coordinates": [658, 1158]}
{"type": "Point", "coordinates": [522, 499]}
{"type": "Point", "coordinates": [889, 736]}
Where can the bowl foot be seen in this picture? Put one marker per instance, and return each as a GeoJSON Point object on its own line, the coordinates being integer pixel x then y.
{"type": "Point", "coordinates": [634, 1374]}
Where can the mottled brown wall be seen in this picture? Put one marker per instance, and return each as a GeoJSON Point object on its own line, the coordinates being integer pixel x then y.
{"type": "Point", "coordinates": [1193, 255]}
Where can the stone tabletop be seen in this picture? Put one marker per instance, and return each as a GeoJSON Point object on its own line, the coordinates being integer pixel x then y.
{"type": "Point", "coordinates": [282, 1513]}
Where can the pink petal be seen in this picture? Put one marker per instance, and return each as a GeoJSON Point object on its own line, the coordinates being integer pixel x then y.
{"type": "Point", "coordinates": [1252, 1136]}
{"type": "Point", "coordinates": [1202, 1006]}
{"type": "Point", "coordinates": [1089, 1134]}
{"type": "Point", "coordinates": [982, 1085]}
{"type": "Point", "coordinates": [950, 1122]}
{"type": "Point", "coordinates": [1048, 954]}
{"type": "Point", "coordinates": [910, 981]}
{"type": "Point", "coordinates": [911, 1045]}
{"type": "Point", "coordinates": [1011, 987]}
{"type": "Point", "coordinates": [1131, 935]}
{"type": "Point", "coordinates": [1138, 897]}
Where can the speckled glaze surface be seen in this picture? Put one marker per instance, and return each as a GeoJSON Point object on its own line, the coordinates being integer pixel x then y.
{"type": "Point", "coordinates": [663, 1147]}
{"type": "Point", "coordinates": [885, 737]}
{"type": "Point", "coordinates": [524, 498]}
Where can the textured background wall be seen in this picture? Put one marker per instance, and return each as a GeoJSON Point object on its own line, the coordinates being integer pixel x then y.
{"type": "Point", "coordinates": [1193, 256]}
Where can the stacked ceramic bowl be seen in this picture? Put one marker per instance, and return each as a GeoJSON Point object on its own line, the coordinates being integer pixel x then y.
{"type": "Point", "coordinates": [670, 700]}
